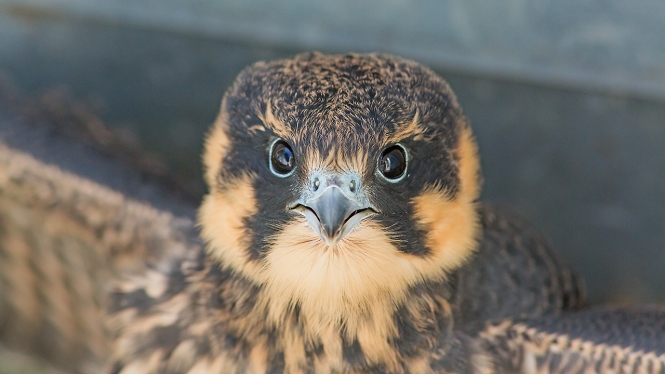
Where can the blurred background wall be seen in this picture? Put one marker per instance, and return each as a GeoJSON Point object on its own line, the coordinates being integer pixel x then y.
{"type": "Point", "coordinates": [567, 97]}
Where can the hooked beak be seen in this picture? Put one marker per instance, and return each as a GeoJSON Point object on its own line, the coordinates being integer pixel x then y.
{"type": "Point", "coordinates": [332, 213]}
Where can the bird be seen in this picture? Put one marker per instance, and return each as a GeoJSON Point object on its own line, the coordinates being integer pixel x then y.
{"type": "Point", "coordinates": [341, 232]}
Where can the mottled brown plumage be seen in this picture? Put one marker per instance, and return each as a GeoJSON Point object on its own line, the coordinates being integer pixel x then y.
{"type": "Point", "coordinates": [426, 279]}
{"type": "Point", "coordinates": [609, 340]}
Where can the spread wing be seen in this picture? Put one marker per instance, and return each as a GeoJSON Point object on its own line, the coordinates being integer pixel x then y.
{"type": "Point", "coordinates": [72, 220]}
{"type": "Point", "coordinates": [533, 303]}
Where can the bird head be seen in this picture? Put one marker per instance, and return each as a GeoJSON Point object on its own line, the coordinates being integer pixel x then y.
{"type": "Point", "coordinates": [340, 177]}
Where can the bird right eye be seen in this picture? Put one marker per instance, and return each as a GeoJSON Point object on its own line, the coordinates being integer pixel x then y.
{"type": "Point", "coordinates": [282, 160]}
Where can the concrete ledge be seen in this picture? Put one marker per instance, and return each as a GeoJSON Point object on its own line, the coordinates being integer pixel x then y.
{"type": "Point", "coordinates": [610, 46]}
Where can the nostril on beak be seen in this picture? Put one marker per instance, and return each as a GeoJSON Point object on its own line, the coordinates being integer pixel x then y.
{"type": "Point", "coordinates": [333, 204]}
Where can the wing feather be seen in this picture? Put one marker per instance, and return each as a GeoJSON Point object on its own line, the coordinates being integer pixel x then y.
{"type": "Point", "coordinates": [611, 340]}
{"type": "Point", "coordinates": [64, 238]}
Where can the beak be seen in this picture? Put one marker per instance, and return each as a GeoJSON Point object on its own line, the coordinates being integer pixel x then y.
{"type": "Point", "coordinates": [333, 210]}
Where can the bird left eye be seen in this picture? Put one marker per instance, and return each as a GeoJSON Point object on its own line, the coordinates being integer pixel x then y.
{"type": "Point", "coordinates": [392, 164]}
{"type": "Point", "coordinates": [282, 160]}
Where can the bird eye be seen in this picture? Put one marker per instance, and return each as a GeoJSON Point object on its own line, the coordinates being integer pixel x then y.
{"type": "Point", "coordinates": [393, 163]}
{"type": "Point", "coordinates": [282, 160]}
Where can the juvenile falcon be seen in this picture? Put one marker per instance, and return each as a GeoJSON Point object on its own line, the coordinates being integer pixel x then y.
{"type": "Point", "coordinates": [341, 212]}
{"type": "Point", "coordinates": [341, 234]}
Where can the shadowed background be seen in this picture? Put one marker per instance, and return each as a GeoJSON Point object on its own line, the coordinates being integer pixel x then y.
{"type": "Point", "coordinates": [567, 98]}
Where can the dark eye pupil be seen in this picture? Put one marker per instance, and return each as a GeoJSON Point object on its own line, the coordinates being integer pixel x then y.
{"type": "Point", "coordinates": [282, 159]}
{"type": "Point", "coordinates": [393, 162]}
